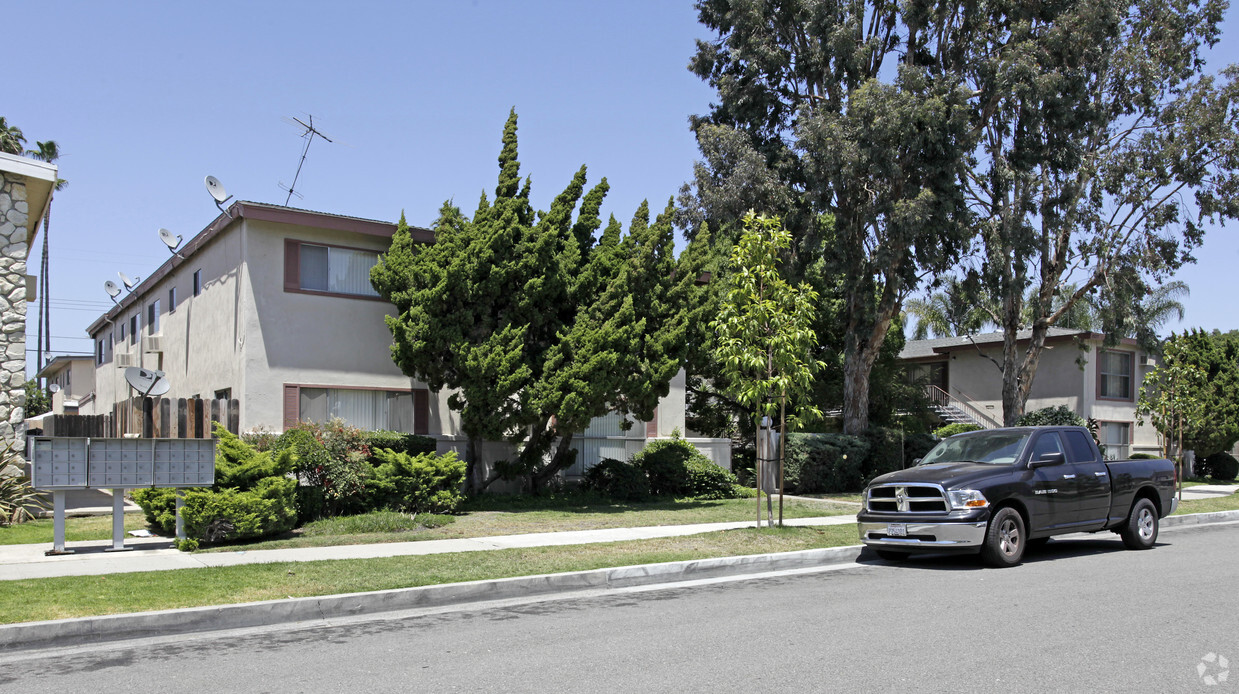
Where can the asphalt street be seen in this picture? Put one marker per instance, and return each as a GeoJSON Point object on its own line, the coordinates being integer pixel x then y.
{"type": "Point", "coordinates": [1079, 615]}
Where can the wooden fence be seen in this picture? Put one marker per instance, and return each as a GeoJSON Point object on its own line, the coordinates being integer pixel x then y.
{"type": "Point", "coordinates": [151, 418]}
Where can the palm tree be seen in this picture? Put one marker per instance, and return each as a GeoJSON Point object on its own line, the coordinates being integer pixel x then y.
{"type": "Point", "coordinates": [946, 313]}
{"type": "Point", "coordinates": [49, 152]}
{"type": "Point", "coordinates": [11, 138]}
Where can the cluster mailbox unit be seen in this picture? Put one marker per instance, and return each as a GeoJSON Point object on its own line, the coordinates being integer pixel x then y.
{"type": "Point", "coordinates": [64, 463]}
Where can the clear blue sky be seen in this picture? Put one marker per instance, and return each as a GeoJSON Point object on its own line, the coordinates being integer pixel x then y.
{"type": "Point", "coordinates": [145, 99]}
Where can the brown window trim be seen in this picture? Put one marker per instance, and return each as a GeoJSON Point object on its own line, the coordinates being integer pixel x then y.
{"type": "Point", "coordinates": [421, 403]}
{"type": "Point", "coordinates": [1132, 376]}
{"type": "Point", "coordinates": [292, 269]}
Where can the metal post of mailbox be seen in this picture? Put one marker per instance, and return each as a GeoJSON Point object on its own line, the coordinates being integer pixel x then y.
{"type": "Point", "coordinates": [58, 523]}
{"type": "Point", "coordinates": [180, 521]}
{"type": "Point", "coordinates": [118, 521]}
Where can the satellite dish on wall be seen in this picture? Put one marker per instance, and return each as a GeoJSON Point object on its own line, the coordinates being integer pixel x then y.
{"type": "Point", "coordinates": [54, 388]}
{"type": "Point", "coordinates": [216, 189]}
{"type": "Point", "coordinates": [112, 289]}
{"type": "Point", "coordinates": [171, 241]}
{"type": "Point", "coordinates": [147, 381]}
{"type": "Point", "coordinates": [128, 282]}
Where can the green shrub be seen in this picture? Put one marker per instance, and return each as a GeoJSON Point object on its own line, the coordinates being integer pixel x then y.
{"type": "Point", "coordinates": [239, 466]}
{"type": "Point", "coordinates": [1051, 416]}
{"type": "Point", "coordinates": [1219, 466]}
{"type": "Point", "coordinates": [269, 508]}
{"type": "Point", "coordinates": [886, 452]}
{"type": "Point", "coordinates": [663, 462]}
{"type": "Point", "coordinates": [1143, 456]}
{"type": "Point", "coordinates": [618, 480]}
{"type": "Point", "coordinates": [332, 460]}
{"type": "Point", "coordinates": [824, 463]}
{"type": "Point", "coordinates": [706, 480]}
{"type": "Point", "coordinates": [426, 483]}
{"type": "Point", "coordinates": [917, 445]}
{"type": "Point", "coordinates": [956, 428]}
{"type": "Point", "coordinates": [413, 444]}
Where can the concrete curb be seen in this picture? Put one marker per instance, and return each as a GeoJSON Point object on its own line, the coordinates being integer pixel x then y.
{"type": "Point", "coordinates": [68, 632]}
{"type": "Point", "coordinates": [1200, 518]}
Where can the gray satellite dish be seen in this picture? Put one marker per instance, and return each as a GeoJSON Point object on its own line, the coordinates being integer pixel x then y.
{"type": "Point", "coordinates": [171, 241]}
{"type": "Point", "coordinates": [147, 381]}
{"type": "Point", "coordinates": [216, 189]}
{"type": "Point", "coordinates": [128, 282]}
{"type": "Point", "coordinates": [113, 291]}
{"type": "Point", "coordinates": [54, 388]}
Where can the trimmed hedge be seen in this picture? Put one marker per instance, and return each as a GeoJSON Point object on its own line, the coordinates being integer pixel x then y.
{"type": "Point", "coordinates": [1051, 416]}
{"type": "Point", "coordinates": [413, 444]}
{"type": "Point", "coordinates": [956, 428]}
{"type": "Point", "coordinates": [823, 463]}
{"type": "Point", "coordinates": [1219, 466]}
{"type": "Point", "coordinates": [618, 480]}
{"type": "Point", "coordinates": [226, 514]}
{"type": "Point", "coordinates": [424, 483]}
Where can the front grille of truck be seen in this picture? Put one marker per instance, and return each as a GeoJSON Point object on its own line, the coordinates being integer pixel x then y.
{"type": "Point", "coordinates": [906, 498]}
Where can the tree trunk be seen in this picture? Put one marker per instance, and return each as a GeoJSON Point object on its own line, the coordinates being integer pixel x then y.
{"type": "Point", "coordinates": [858, 359]}
{"type": "Point", "coordinates": [562, 459]}
{"type": "Point", "coordinates": [471, 468]}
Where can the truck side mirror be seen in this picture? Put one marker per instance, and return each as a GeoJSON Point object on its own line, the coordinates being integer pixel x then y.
{"type": "Point", "coordinates": [1046, 460]}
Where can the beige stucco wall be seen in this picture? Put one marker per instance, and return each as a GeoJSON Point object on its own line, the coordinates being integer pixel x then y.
{"type": "Point", "coordinates": [199, 338]}
{"type": "Point", "coordinates": [1059, 380]}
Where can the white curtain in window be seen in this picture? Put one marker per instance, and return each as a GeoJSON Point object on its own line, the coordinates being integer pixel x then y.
{"type": "Point", "coordinates": [349, 271]}
{"type": "Point", "coordinates": [361, 408]}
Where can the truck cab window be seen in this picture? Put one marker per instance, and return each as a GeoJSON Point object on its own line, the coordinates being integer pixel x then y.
{"type": "Point", "coordinates": [1047, 443]}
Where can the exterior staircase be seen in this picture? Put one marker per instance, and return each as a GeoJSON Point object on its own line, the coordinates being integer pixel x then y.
{"type": "Point", "coordinates": [954, 410]}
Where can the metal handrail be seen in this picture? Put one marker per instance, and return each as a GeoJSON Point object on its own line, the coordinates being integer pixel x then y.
{"type": "Point", "coordinates": [942, 398]}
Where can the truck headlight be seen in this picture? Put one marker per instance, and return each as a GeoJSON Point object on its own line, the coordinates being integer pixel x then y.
{"type": "Point", "coordinates": [962, 499]}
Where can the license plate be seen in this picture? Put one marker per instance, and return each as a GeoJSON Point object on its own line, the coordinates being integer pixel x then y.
{"type": "Point", "coordinates": [897, 529]}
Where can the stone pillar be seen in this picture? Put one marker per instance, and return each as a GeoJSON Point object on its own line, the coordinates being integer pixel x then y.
{"type": "Point", "coordinates": [14, 211]}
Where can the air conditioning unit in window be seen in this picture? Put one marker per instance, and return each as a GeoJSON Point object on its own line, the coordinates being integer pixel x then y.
{"type": "Point", "coordinates": [1146, 360]}
{"type": "Point", "coordinates": [152, 343]}
{"type": "Point", "coordinates": [124, 361]}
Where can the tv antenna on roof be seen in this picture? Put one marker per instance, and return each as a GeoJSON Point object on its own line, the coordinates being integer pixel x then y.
{"type": "Point", "coordinates": [216, 189]}
{"type": "Point", "coordinates": [308, 135]}
{"type": "Point", "coordinates": [171, 241]}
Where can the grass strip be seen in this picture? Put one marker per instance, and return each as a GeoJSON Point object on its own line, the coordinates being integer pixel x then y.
{"type": "Point", "coordinates": [76, 529]}
{"type": "Point", "coordinates": [81, 596]}
{"type": "Point", "coordinates": [1221, 503]}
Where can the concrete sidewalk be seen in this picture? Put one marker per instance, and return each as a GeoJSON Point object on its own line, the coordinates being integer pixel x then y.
{"type": "Point", "coordinates": [93, 558]}
{"type": "Point", "coordinates": [156, 554]}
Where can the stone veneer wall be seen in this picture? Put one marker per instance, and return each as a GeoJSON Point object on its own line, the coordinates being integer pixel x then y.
{"type": "Point", "coordinates": [13, 251]}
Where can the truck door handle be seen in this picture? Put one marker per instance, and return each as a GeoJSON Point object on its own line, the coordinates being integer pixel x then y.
{"type": "Point", "coordinates": [1100, 474]}
{"type": "Point", "coordinates": [1069, 477]}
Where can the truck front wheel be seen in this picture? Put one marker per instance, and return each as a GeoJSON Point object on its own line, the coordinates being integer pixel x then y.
{"type": "Point", "coordinates": [1004, 539]}
{"type": "Point", "coordinates": [1140, 530]}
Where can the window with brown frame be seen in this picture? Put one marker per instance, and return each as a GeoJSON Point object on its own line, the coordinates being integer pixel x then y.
{"type": "Point", "coordinates": [326, 269]}
{"type": "Point", "coordinates": [1115, 375]}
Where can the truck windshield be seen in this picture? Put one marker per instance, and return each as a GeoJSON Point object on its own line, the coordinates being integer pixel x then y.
{"type": "Point", "coordinates": [991, 447]}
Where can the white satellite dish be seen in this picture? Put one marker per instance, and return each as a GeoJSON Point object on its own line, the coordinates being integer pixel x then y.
{"type": "Point", "coordinates": [112, 289]}
{"type": "Point", "coordinates": [216, 189]}
{"type": "Point", "coordinates": [128, 282]}
{"type": "Point", "coordinates": [147, 381]}
{"type": "Point", "coordinates": [171, 241]}
{"type": "Point", "coordinates": [54, 388]}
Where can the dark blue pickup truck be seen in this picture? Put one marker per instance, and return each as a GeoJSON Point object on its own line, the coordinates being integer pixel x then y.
{"type": "Point", "coordinates": [998, 491]}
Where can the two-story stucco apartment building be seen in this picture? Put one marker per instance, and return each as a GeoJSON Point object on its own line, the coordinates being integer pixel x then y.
{"type": "Point", "coordinates": [273, 306]}
{"type": "Point", "coordinates": [1076, 370]}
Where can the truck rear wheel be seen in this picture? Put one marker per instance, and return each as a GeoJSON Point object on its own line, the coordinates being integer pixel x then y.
{"type": "Point", "coordinates": [1004, 539]}
{"type": "Point", "coordinates": [1140, 530]}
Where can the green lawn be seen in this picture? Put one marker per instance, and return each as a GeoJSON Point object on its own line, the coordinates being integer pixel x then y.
{"type": "Point", "coordinates": [83, 528]}
{"type": "Point", "coordinates": [80, 596]}
{"type": "Point", "coordinates": [1221, 503]}
{"type": "Point", "coordinates": [498, 515]}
